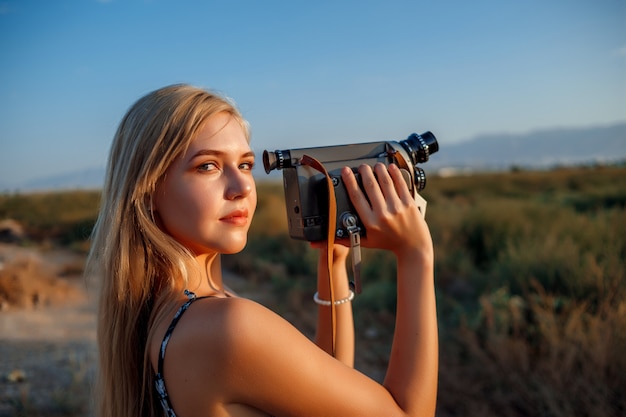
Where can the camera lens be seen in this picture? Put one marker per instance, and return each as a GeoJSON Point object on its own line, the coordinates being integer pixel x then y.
{"type": "Point", "coordinates": [420, 147]}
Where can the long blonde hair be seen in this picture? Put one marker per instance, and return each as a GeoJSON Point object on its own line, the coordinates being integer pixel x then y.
{"type": "Point", "coordinates": [139, 265]}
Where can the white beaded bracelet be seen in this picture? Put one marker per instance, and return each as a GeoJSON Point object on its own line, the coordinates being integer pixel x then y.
{"type": "Point", "coordinates": [318, 300]}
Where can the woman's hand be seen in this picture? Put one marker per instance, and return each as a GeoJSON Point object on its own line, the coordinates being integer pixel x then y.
{"type": "Point", "coordinates": [391, 216]}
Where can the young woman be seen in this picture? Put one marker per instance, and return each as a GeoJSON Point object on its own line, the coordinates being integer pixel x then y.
{"type": "Point", "coordinates": [174, 341]}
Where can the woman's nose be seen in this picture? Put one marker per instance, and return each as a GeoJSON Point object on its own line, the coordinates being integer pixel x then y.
{"type": "Point", "coordinates": [239, 185]}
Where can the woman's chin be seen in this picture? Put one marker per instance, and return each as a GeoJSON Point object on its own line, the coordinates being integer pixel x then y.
{"type": "Point", "coordinates": [233, 248]}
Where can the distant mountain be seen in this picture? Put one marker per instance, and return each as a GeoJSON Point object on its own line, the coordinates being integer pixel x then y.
{"type": "Point", "coordinates": [540, 149]}
{"type": "Point", "coordinates": [88, 179]}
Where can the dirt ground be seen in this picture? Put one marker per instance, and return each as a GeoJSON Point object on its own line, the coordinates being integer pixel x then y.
{"type": "Point", "coordinates": [47, 333]}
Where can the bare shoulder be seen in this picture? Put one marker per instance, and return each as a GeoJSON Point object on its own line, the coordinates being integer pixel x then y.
{"type": "Point", "coordinates": [216, 327]}
{"type": "Point", "coordinates": [237, 353]}
{"type": "Point", "coordinates": [227, 324]}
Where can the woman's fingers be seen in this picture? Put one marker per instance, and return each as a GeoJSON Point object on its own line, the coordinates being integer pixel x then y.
{"type": "Point", "coordinates": [385, 182]}
{"type": "Point", "coordinates": [372, 188]}
{"type": "Point", "coordinates": [358, 199]}
{"type": "Point", "coordinates": [384, 190]}
{"type": "Point", "coordinates": [400, 185]}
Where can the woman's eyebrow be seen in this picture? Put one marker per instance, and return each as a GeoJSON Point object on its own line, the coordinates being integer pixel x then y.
{"type": "Point", "coordinates": [214, 152]}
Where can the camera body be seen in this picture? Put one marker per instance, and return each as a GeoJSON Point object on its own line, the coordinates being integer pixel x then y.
{"type": "Point", "coordinates": [306, 188]}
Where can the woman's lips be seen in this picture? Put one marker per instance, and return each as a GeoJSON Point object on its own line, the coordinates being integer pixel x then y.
{"type": "Point", "coordinates": [237, 218]}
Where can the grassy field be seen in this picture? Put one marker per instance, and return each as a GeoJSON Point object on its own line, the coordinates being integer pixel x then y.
{"type": "Point", "coordinates": [530, 275]}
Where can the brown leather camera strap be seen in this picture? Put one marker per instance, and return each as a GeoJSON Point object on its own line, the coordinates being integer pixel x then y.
{"type": "Point", "coordinates": [330, 241]}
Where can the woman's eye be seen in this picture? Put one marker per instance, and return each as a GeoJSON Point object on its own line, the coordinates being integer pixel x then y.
{"type": "Point", "coordinates": [247, 166]}
{"type": "Point", "coordinates": [208, 166]}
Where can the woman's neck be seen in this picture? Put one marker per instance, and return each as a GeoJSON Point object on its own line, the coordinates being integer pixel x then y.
{"type": "Point", "coordinates": [209, 278]}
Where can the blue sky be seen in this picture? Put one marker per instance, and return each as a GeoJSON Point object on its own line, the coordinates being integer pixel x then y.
{"type": "Point", "coordinates": [304, 73]}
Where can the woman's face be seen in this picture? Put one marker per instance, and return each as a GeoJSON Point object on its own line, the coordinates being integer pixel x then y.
{"type": "Point", "coordinates": [207, 198]}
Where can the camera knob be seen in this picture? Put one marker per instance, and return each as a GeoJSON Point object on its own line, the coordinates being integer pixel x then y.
{"type": "Point", "coordinates": [349, 220]}
{"type": "Point", "coordinates": [420, 178]}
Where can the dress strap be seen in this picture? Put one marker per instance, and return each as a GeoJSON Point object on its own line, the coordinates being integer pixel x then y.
{"type": "Point", "coordinates": [160, 381]}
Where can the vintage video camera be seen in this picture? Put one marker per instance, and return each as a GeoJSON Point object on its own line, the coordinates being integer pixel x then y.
{"type": "Point", "coordinates": [306, 189]}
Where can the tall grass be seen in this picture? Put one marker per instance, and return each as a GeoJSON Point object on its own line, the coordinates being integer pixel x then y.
{"type": "Point", "coordinates": [532, 292]}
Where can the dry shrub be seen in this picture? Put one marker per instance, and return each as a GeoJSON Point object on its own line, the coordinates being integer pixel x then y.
{"type": "Point", "coordinates": [27, 283]}
{"type": "Point", "coordinates": [536, 355]}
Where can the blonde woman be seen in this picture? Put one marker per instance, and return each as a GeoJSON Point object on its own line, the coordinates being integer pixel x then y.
{"type": "Point", "coordinates": [174, 341]}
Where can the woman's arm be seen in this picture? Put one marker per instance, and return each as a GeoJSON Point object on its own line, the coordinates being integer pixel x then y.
{"type": "Point", "coordinates": [413, 373]}
{"type": "Point", "coordinates": [344, 348]}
